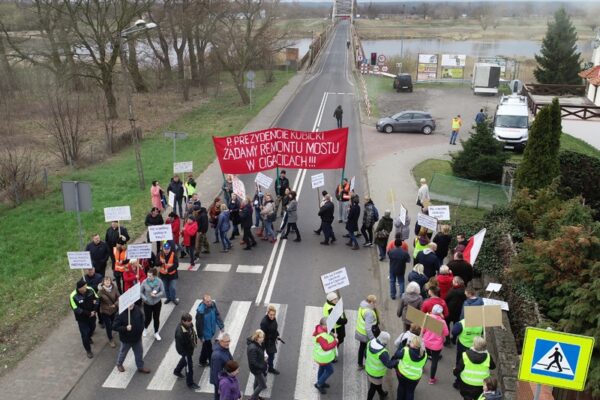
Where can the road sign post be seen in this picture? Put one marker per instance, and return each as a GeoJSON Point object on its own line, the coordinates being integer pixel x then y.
{"type": "Point", "coordinates": [175, 136]}
{"type": "Point", "coordinates": [77, 196]}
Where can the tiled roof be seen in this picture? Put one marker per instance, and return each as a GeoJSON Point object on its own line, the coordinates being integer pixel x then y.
{"type": "Point", "coordinates": [592, 75]}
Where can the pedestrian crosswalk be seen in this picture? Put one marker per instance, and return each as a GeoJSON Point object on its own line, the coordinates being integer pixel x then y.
{"type": "Point", "coordinates": [210, 267]}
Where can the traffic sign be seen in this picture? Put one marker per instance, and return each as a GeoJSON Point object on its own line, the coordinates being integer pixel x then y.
{"type": "Point", "coordinates": [359, 58]}
{"type": "Point", "coordinates": [381, 58]}
{"type": "Point", "coordinates": [384, 68]}
{"type": "Point", "coordinates": [375, 68]}
{"type": "Point", "coordinates": [556, 358]}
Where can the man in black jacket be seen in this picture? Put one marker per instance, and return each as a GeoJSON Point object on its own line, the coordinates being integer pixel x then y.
{"type": "Point", "coordinates": [460, 267]}
{"type": "Point", "coordinates": [100, 253]}
{"type": "Point", "coordinates": [176, 186]}
{"type": "Point", "coordinates": [186, 341]}
{"type": "Point", "coordinates": [112, 234]}
{"type": "Point", "coordinates": [326, 213]}
{"type": "Point", "coordinates": [130, 325]}
{"type": "Point", "coordinates": [84, 302]}
{"type": "Point", "coordinates": [281, 185]}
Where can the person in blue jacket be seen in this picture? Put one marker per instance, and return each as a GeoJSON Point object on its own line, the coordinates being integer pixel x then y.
{"type": "Point", "coordinates": [208, 320]}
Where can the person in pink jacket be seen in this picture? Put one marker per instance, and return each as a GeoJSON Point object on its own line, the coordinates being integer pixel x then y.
{"type": "Point", "coordinates": [434, 343]}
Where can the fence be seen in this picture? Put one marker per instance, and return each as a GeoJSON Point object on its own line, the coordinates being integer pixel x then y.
{"type": "Point", "coordinates": [453, 190]}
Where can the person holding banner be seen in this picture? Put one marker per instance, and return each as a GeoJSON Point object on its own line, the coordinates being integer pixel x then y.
{"type": "Point", "coordinates": [378, 362]}
{"type": "Point", "coordinates": [434, 343]}
{"type": "Point", "coordinates": [281, 185]}
{"type": "Point", "coordinates": [473, 368]}
{"type": "Point", "coordinates": [169, 263]}
{"type": "Point", "coordinates": [99, 252]}
{"type": "Point", "coordinates": [130, 325]}
{"type": "Point", "coordinates": [324, 348]}
{"type": "Point", "coordinates": [213, 216]}
{"type": "Point", "coordinates": [156, 195]}
{"type": "Point", "coordinates": [152, 291]}
{"type": "Point", "coordinates": [410, 368]}
{"type": "Point", "coordinates": [257, 202]}
{"type": "Point", "coordinates": [246, 223]}
{"type": "Point", "coordinates": [268, 213]}
{"type": "Point", "coordinates": [234, 214]}
{"type": "Point", "coordinates": [227, 188]}
{"type": "Point", "coordinates": [176, 186]}
{"type": "Point", "coordinates": [284, 203]}
{"type": "Point", "coordinates": [109, 305]}
{"type": "Point", "coordinates": [85, 304]}
{"type": "Point", "coordinates": [342, 194]}
{"type": "Point", "coordinates": [340, 325]}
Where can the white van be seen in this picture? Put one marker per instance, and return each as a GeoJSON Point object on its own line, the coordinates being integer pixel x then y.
{"type": "Point", "coordinates": [511, 122]}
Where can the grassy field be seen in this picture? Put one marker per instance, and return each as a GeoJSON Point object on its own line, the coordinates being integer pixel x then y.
{"type": "Point", "coordinates": [570, 143]}
{"type": "Point", "coordinates": [36, 235]}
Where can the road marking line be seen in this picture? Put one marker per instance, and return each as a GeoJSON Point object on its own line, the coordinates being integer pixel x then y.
{"type": "Point", "coordinates": [275, 272]}
{"type": "Point", "coordinates": [163, 378]}
{"type": "Point", "coordinates": [306, 376]}
{"type": "Point", "coordinates": [281, 313]}
{"type": "Point", "coordinates": [234, 323]}
{"type": "Point", "coordinates": [355, 382]}
{"type": "Point", "coordinates": [120, 380]}
{"type": "Point", "coordinates": [217, 267]}
{"type": "Point", "coordinates": [249, 269]}
{"type": "Point", "coordinates": [185, 266]}
{"type": "Point", "coordinates": [265, 279]}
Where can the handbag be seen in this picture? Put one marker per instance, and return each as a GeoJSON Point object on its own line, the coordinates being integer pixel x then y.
{"type": "Point", "coordinates": [376, 330]}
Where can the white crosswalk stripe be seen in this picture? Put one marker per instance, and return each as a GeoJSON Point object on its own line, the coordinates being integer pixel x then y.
{"type": "Point", "coordinates": [120, 380]}
{"type": "Point", "coordinates": [163, 378]}
{"type": "Point", "coordinates": [355, 385]}
{"type": "Point", "coordinates": [185, 266]}
{"type": "Point", "coordinates": [249, 269]}
{"type": "Point", "coordinates": [234, 323]}
{"type": "Point", "coordinates": [307, 368]}
{"type": "Point", "coordinates": [280, 315]}
{"type": "Point", "coordinates": [217, 267]}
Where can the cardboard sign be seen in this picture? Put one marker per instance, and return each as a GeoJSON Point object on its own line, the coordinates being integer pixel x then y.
{"type": "Point", "coordinates": [143, 250]}
{"type": "Point", "coordinates": [352, 183]}
{"type": "Point", "coordinates": [79, 259]}
{"type": "Point", "coordinates": [159, 233]}
{"type": "Point", "coordinates": [441, 213]}
{"type": "Point", "coordinates": [238, 187]}
{"type": "Point", "coordinates": [335, 280]}
{"type": "Point", "coordinates": [493, 302]}
{"type": "Point", "coordinates": [485, 316]}
{"type": "Point", "coordinates": [129, 297]}
{"type": "Point", "coordinates": [425, 321]}
{"type": "Point", "coordinates": [493, 287]}
{"type": "Point", "coordinates": [402, 215]}
{"type": "Point", "coordinates": [317, 180]}
{"type": "Point", "coordinates": [427, 221]}
{"type": "Point", "coordinates": [336, 313]}
{"type": "Point", "coordinates": [171, 199]}
{"type": "Point", "coordinates": [117, 214]}
{"type": "Point", "coordinates": [263, 180]}
{"type": "Point", "coordinates": [181, 167]}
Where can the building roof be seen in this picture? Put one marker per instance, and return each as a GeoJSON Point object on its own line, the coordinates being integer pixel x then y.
{"type": "Point", "coordinates": [592, 75]}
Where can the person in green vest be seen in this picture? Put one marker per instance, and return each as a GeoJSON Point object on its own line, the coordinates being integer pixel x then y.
{"type": "Point", "coordinates": [463, 337]}
{"type": "Point", "coordinates": [324, 345]}
{"type": "Point", "coordinates": [378, 362]}
{"type": "Point", "coordinates": [472, 369]}
{"type": "Point", "coordinates": [412, 359]}
{"type": "Point", "coordinates": [366, 320]}
{"type": "Point", "coordinates": [340, 325]}
{"type": "Point", "coordinates": [190, 186]}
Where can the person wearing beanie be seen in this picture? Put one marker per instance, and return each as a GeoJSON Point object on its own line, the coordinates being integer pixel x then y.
{"type": "Point", "coordinates": [434, 342]}
{"type": "Point", "coordinates": [340, 325]}
{"type": "Point", "coordinates": [85, 304]}
{"type": "Point", "coordinates": [378, 362]}
{"type": "Point", "coordinates": [324, 349]}
{"type": "Point", "coordinates": [229, 386]}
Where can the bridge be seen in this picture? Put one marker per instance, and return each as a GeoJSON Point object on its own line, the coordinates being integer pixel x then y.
{"type": "Point", "coordinates": [342, 9]}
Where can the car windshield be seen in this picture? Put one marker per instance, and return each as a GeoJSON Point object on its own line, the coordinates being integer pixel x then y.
{"type": "Point", "coordinates": [512, 121]}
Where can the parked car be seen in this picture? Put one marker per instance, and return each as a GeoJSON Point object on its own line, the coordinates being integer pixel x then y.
{"type": "Point", "coordinates": [407, 121]}
{"type": "Point", "coordinates": [403, 82]}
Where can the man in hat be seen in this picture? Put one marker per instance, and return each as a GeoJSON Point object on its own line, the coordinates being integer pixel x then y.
{"type": "Point", "coordinates": [85, 304]}
{"type": "Point", "coordinates": [168, 264]}
{"type": "Point", "coordinates": [340, 325]}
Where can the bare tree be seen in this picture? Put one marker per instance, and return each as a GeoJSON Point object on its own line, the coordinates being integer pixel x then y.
{"type": "Point", "coordinates": [206, 19]}
{"type": "Point", "coordinates": [133, 68]}
{"type": "Point", "coordinates": [7, 76]}
{"type": "Point", "coordinates": [19, 174]}
{"type": "Point", "coordinates": [176, 15]}
{"type": "Point", "coordinates": [64, 125]}
{"type": "Point", "coordinates": [157, 14]}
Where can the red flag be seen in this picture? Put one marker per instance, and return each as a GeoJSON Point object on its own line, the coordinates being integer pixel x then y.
{"type": "Point", "coordinates": [473, 246]}
{"type": "Point", "coordinates": [283, 148]}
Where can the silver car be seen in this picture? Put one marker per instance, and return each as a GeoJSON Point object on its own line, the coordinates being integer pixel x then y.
{"type": "Point", "coordinates": [407, 121]}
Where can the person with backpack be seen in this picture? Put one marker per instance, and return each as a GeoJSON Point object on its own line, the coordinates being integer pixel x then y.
{"type": "Point", "coordinates": [370, 216]}
{"type": "Point", "coordinates": [337, 114]}
{"type": "Point", "coordinates": [382, 233]}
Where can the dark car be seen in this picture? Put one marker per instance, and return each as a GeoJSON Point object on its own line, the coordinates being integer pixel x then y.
{"type": "Point", "coordinates": [403, 82]}
{"type": "Point", "coordinates": [407, 121]}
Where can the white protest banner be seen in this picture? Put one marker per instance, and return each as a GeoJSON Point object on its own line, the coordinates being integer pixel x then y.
{"type": "Point", "coordinates": [263, 180]}
{"type": "Point", "coordinates": [335, 280]}
{"type": "Point", "coordinates": [336, 313]}
{"type": "Point", "coordinates": [143, 250]}
{"type": "Point", "coordinates": [171, 199]}
{"type": "Point", "coordinates": [441, 213]}
{"type": "Point", "coordinates": [158, 233]}
{"type": "Point", "coordinates": [352, 183]}
{"type": "Point", "coordinates": [493, 302]}
{"type": "Point", "coordinates": [117, 214]}
{"type": "Point", "coordinates": [493, 287]}
{"type": "Point", "coordinates": [427, 221]}
{"type": "Point", "coordinates": [181, 167]}
{"type": "Point", "coordinates": [317, 180]}
{"type": "Point", "coordinates": [402, 215]}
{"type": "Point", "coordinates": [129, 297]}
{"type": "Point", "coordinates": [238, 187]}
{"type": "Point", "coordinates": [79, 259]}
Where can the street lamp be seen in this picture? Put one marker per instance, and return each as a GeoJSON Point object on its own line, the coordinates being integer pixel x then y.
{"type": "Point", "coordinates": [140, 26]}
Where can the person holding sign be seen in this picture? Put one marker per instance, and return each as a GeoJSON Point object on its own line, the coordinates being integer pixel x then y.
{"type": "Point", "coordinates": [176, 186]}
{"type": "Point", "coordinates": [434, 343]}
{"type": "Point", "coordinates": [169, 263]}
{"type": "Point", "coordinates": [323, 354]}
{"type": "Point", "coordinates": [473, 368]}
{"type": "Point", "coordinates": [378, 362]}
{"type": "Point", "coordinates": [130, 325]}
{"type": "Point", "coordinates": [154, 217]}
{"type": "Point", "coordinates": [340, 325]}
{"type": "Point", "coordinates": [85, 303]}
{"type": "Point", "coordinates": [464, 337]}
{"type": "Point", "coordinates": [152, 291]}
{"type": "Point", "coordinates": [410, 368]}
{"type": "Point", "coordinates": [113, 233]}
{"type": "Point", "coordinates": [121, 261]}
{"type": "Point", "coordinates": [134, 273]}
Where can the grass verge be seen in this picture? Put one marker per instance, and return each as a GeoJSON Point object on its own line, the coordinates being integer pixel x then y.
{"type": "Point", "coordinates": [375, 86]}
{"type": "Point", "coordinates": [35, 236]}
{"type": "Point", "coordinates": [569, 143]}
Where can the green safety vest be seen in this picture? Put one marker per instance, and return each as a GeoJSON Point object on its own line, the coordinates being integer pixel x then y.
{"type": "Point", "coordinates": [410, 369]}
{"type": "Point", "coordinates": [374, 366]}
{"type": "Point", "coordinates": [467, 335]}
{"type": "Point", "coordinates": [323, 356]}
{"type": "Point", "coordinates": [327, 310]}
{"type": "Point", "coordinates": [190, 189]}
{"type": "Point", "coordinates": [360, 321]}
{"type": "Point", "coordinates": [456, 123]}
{"type": "Point", "coordinates": [474, 374]}
{"type": "Point", "coordinates": [419, 247]}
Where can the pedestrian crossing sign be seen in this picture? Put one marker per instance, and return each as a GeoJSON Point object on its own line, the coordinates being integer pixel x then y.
{"type": "Point", "coordinates": [556, 358]}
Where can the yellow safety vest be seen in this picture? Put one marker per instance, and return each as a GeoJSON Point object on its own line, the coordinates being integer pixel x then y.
{"type": "Point", "coordinates": [190, 189]}
{"type": "Point", "coordinates": [374, 366]}
{"type": "Point", "coordinates": [456, 123]}
{"type": "Point", "coordinates": [467, 335]}
{"type": "Point", "coordinates": [360, 321]}
{"type": "Point", "coordinates": [327, 310]}
{"type": "Point", "coordinates": [410, 369]}
{"type": "Point", "coordinates": [323, 356]}
{"type": "Point", "coordinates": [474, 374]}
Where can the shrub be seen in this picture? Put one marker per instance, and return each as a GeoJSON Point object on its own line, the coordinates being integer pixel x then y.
{"type": "Point", "coordinates": [580, 176]}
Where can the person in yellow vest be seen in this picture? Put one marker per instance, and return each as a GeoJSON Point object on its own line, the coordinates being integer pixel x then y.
{"type": "Point", "coordinates": [190, 186]}
{"type": "Point", "coordinates": [324, 345]}
{"type": "Point", "coordinates": [472, 369]}
{"type": "Point", "coordinates": [412, 359]}
{"type": "Point", "coordinates": [378, 362]}
{"type": "Point", "coordinates": [340, 325]}
{"type": "Point", "coordinates": [121, 261]}
{"type": "Point", "coordinates": [366, 319]}
{"type": "Point", "coordinates": [456, 124]}
{"type": "Point", "coordinates": [463, 337]}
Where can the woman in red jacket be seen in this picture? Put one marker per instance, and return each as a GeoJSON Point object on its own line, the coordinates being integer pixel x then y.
{"type": "Point", "coordinates": [175, 222]}
{"type": "Point", "coordinates": [133, 274]}
{"type": "Point", "coordinates": [189, 237]}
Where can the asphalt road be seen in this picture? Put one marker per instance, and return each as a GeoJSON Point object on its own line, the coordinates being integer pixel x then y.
{"type": "Point", "coordinates": [287, 273]}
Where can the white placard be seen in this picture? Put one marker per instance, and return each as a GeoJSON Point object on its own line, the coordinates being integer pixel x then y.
{"type": "Point", "coordinates": [171, 199]}
{"type": "Point", "coordinates": [492, 302]}
{"type": "Point", "coordinates": [158, 233]}
{"type": "Point", "coordinates": [454, 60]}
{"type": "Point", "coordinates": [238, 187]}
{"type": "Point", "coordinates": [402, 215]}
{"type": "Point", "coordinates": [427, 221]}
{"type": "Point", "coordinates": [317, 180]}
{"type": "Point", "coordinates": [79, 259]}
{"type": "Point", "coordinates": [181, 167]}
{"type": "Point", "coordinates": [441, 213]}
{"type": "Point", "coordinates": [122, 213]}
{"type": "Point", "coordinates": [493, 287]}
{"type": "Point", "coordinates": [336, 313]}
{"type": "Point", "coordinates": [428, 58]}
{"type": "Point", "coordinates": [129, 297]}
{"type": "Point", "coordinates": [335, 280]}
{"type": "Point", "coordinates": [352, 183]}
{"type": "Point", "coordinates": [263, 180]}
{"type": "Point", "coordinates": [143, 250]}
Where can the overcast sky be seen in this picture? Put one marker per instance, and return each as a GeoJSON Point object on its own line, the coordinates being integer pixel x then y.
{"type": "Point", "coordinates": [440, 1]}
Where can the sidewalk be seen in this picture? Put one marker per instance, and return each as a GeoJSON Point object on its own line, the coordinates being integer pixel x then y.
{"type": "Point", "coordinates": [53, 368]}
